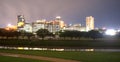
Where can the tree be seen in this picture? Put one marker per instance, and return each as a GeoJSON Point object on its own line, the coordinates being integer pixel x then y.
{"type": "Point", "coordinates": [28, 34]}
{"type": "Point", "coordinates": [70, 34]}
{"type": "Point", "coordinates": [43, 33]}
{"type": "Point", "coordinates": [9, 33]}
{"type": "Point", "coordinates": [1, 32]}
{"type": "Point", "coordinates": [64, 34]}
{"type": "Point", "coordinates": [16, 34]}
{"type": "Point", "coordinates": [94, 34]}
{"type": "Point", "coordinates": [118, 35]}
{"type": "Point", "coordinates": [82, 34]}
{"type": "Point", "coordinates": [22, 33]}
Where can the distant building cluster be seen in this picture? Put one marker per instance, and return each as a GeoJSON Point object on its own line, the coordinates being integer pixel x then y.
{"type": "Point", "coordinates": [77, 27]}
{"type": "Point", "coordinates": [53, 26]}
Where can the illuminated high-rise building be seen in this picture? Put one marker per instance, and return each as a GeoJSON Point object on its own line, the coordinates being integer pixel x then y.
{"type": "Point", "coordinates": [21, 22]}
{"type": "Point", "coordinates": [89, 23]}
{"type": "Point", "coordinates": [39, 24]}
{"type": "Point", "coordinates": [27, 27]}
{"type": "Point", "coordinates": [60, 21]}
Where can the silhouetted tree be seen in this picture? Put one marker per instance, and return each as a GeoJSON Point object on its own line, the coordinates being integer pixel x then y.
{"type": "Point", "coordinates": [16, 34]}
{"type": "Point", "coordinates": [43, 33]}
{"type": "Point", "coordinates": [1, 32]}
{"type": "Point", "coordinates": [94, 34]}
{"type": "Point", "coordinates": [82, 34]}
{"type": "Point", "coordinates": [118, 35]}
{"type": "Point", "coordinates": [70, 34]}
{"type": "Point", "coordinates": [28, 34]}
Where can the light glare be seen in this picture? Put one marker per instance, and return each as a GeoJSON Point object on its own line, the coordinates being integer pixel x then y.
{"type": "Point", "coordinates": [110, 32]}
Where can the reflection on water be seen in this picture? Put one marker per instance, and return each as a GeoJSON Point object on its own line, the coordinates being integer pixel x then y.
{"type": "Point", "coordinates": [59, 49]}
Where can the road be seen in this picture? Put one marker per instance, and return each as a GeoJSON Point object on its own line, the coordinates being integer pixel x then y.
{"type": "Point", "coordinates": [37, 57]}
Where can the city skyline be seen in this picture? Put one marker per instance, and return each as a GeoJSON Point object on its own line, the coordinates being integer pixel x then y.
{"type": "Point", "coordinates": [105, 12]}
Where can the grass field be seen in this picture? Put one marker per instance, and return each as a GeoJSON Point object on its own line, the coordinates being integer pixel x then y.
{"type": "Point", "coordinates": [80, 56]}
{"type": "Point", "coordinates": [15, 59]}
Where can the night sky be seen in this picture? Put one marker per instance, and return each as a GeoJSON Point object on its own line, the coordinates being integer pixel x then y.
{"type": "Point", "coordinates": [105, 12]}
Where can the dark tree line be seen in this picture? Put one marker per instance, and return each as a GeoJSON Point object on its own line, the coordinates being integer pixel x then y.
{"type": "Point", "coordinates": [13, 33]}
{"type": "Point", "coordinates": [91, 34]}
{"type": "Point", "coordinates": [8, 33]}
{"type": "Point", "coordinates": [42, 33]}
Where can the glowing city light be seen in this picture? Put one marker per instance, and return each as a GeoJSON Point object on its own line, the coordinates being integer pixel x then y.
{"type": "Point", "coordinates": [9, 25]}
{"type": "Point", "coordinates": [110, 32]}
{"type": "Point", "coordinates": [58, 17]}
{"type": "Point", "coordinates": [20, 24]}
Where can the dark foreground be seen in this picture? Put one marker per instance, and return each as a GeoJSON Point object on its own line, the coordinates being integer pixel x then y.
{"type": "Point", "coordinates": [101, 44]}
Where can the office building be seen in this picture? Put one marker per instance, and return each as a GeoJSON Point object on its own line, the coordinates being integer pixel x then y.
{"type": "Point", "coordinates": [21, 22]}
{"type": "Point", "coordinates": [89, 23]}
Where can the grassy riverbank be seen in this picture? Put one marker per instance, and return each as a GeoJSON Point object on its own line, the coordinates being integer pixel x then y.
{"type": "Point", "coordinates": [80, 56]}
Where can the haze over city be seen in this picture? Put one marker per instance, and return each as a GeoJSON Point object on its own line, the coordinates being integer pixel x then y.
{"type": "Point", "coordinates": [105, 12]}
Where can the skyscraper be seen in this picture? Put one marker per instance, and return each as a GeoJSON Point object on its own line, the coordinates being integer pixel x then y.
{"type": "Point", "coordinates": [89, 23]}
{"type": "Point", "coordinates": [60, 21]}
{"type": "Point", "coordinates": [21, 22]}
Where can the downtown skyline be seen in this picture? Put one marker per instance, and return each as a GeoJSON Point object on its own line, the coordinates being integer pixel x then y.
{"type": "Point", "coordinates": [105, 12]}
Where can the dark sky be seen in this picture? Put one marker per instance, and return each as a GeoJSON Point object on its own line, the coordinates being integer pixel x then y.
{"type": "Point", "coordinates": [105, 12]}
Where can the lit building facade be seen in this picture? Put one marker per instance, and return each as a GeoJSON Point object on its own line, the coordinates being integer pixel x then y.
{"type": "Point", "coordinates": [56, 26]}
{"type": "Point", "coordinates": [60, 22]}
{"type": "Point", "coordinates": [39, 24]}
{"type": "Point", "coordinates": [27, 27]}
{"type": "Point", "coordinates": [52, 26]}
{"type": "Point", "coordinates": [21, 22]}
{"type": "Point", "coordinates": [76, 27]}
{"type": "Point", "coordinates": [89, 23]}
